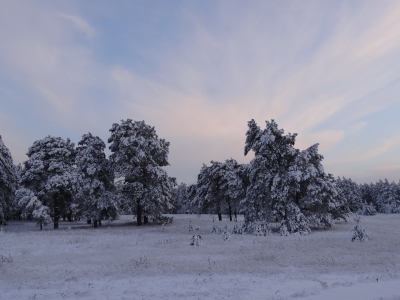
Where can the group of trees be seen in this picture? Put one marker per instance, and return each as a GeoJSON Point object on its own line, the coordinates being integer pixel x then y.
{"type": "Point", "coordinates": [59, 179]}
{"type": "Point", "coordinates": [282, 183]}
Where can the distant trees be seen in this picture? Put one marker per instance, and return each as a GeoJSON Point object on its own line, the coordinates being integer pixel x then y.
{"type": "Point", "coordinates": [8, 182]}
{"type": "Point", "coordinates": [137, 158]}
{"type": "Point", "coordinates": [219, 188]}
{"type": "Point", "coordinates": [49, 174]}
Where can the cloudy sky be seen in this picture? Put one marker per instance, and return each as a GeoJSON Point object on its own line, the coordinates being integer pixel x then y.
{"type": "Point", "coordinates": [199, 70]}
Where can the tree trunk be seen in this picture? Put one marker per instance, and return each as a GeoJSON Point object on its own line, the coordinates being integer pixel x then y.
{"type": "Point", "coordinates": [230, 211]}
{"type": "Point", "coordinates": [100, 222]}
{"type": "Point", "coordinates": [219, 217]}
{"type": "Point", "coordinates": [69, 216]}
{"type": "Point", "coordinates": [235, 215]}
{"type": "Point", "coordinates": [89, 221]}
{"type": "Point", "coordinates": [64, 217]}
{"type": "Point", "coordinates": [56, 199]}
{"type": "Point", "coordinates": [41, 227]}
{"type": "Point", "coordinates": [138, 214]}
{"type": "Point", "coordinates": [145, 220]}
{"type": "Point", "coordinates": [95, 223]}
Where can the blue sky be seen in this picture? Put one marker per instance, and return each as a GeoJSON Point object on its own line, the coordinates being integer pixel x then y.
{"type": "Point", "coordinates": [199, 70]}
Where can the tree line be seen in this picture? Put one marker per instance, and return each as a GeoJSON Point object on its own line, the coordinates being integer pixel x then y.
{"type": "Point", "coordinates": [280, 184]}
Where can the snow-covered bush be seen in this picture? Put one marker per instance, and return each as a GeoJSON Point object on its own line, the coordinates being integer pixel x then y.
{"type": "Point", "coordinates": [216, 229]}
{"type": "Point", "coordinates": [196, 239]}
{"type": "Point", "coordinates": [32, 207]}
{"type": "Point", "coordinates": [283, 231]}
{"type": "Point", "coordinates": [226, 235]}
{"type": "Point", "coordinates": [359, 233]}
{"type": "Point", "coordinates": [238, 229]}
{"type": "Point", "coordinates": [369, 210]}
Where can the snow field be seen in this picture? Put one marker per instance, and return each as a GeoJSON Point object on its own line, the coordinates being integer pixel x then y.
{"type": "Point", "coordinates": [129, 262]}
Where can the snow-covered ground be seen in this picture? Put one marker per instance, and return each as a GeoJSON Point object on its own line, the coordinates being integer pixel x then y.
{"type": "Point", "coordinates": [122, 261]}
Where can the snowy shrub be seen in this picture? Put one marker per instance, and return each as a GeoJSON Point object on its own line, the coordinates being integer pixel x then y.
{"type": "Point", "coordinates": [196, 240]}
{"type": "Point", "coordinates": [164, 220]}
{"type": "Point", "coordinates": [283, 230]}
{"type": "Point", "coordinates": [369, 210]}
{"type": "Point", "coordinates": [226, 235]}
{"type": "Point", "coordinates": [359, 233]}
{"type": "Point", "coordinates": [260, 228]}
{"type": "Point", "coordinates": [33, 208]}
{"type": "Point", "coordinates": [237, 229]}
{"type": "Point", "coordinates": [295, 220]}
{"type": "Point", "coordinates": [216, 229]}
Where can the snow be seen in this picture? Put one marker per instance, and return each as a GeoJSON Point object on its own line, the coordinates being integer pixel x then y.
{"type": "Point", "coordinates": [122, 261]}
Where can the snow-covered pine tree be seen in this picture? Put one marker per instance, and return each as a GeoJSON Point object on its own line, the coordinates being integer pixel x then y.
{"type": "Point", "coordinates": [50, 175]}
{"type": "Point", "coordinates": [32, 207]}
{"type": "Point", "coordinates": [351, 191]}
{"type": "Point", "coordinates": [359, 233]}
{"type": "Point", "coordinates": [180, 199]}
{"type": "Point", "coordinates": [388, 200]}
{"type": "Point", "coordinates": [267, 190]}
{"type": "Point", "coordinates": [96, 192]}
{"type": "Point", "coordinates": [219, 188]}
{"type": "Point", "coordinates": [288, 185]}
{"type": "Point", "coordinates": [137, 158]}
{"type": "Point", "coordinates": [8, 182]}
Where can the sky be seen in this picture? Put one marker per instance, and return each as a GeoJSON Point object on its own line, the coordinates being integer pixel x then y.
{"type": "Point", "coordinates": [200, 70]}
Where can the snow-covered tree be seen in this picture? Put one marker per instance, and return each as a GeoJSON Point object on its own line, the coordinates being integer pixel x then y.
{"type": "Point", "coordinates": [8, 182]}
{"type": "Point", "coordinates": [219, 188]}
{"type": "Point", "coordinates": [96, 192]}
{"type": "Point", "coordinates": [351, 191]}
{"type": "Point", "coordinates": [359, 233]}
{"type": "Point", "coordinates": [32, 207]}
{"type": "Point", "coordinates": [137, 158]}
{"type": "Point", "coordinates": [49, 174]}
{"type": "Point", "coordinates": [181, 199]}
{"type": "Point", "coordinates": [288, 185]}
{"type": "Point", "coordinates": [388, 200]}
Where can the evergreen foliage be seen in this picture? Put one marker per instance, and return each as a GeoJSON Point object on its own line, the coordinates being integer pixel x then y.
{"type": "Point", "coordinates": [8, 182]}
{"type": "Point", "coordinates": [32, 207]}
{"type": "Point", "coordinates": [219, 188]}
{"type": "Point", "coordinates": [359, 233]}
{"type": "Point", "coordinates": [288, 185]}
{"type": "Point", "coordinates": [137, 158]}
{"type": "Point", "coordinates": [49, 174]}
{"type": "Point", "coordinates": [96, 192]}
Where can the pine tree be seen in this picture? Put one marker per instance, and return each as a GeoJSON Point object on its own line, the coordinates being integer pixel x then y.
{"type": "Point", "coordinates": [8, 182]}
{"type": "Point", "coordinates": [96, 191]}
{"type": "Point", "coordinates": [288, 185]}
{"type": "Point", "coordinates": [180, 199]}
{"type": "Point", "coordinates": [219, 188]}
{"type": "Point", "coordinates": [352, 193]}
{"type": "Point", "coordinates": [137, 158]}
{"type": "Point", "coordinates": [49, 174]}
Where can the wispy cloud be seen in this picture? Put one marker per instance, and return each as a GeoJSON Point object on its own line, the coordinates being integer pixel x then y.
{"type": "Point", "coordinates": [81, 24]}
